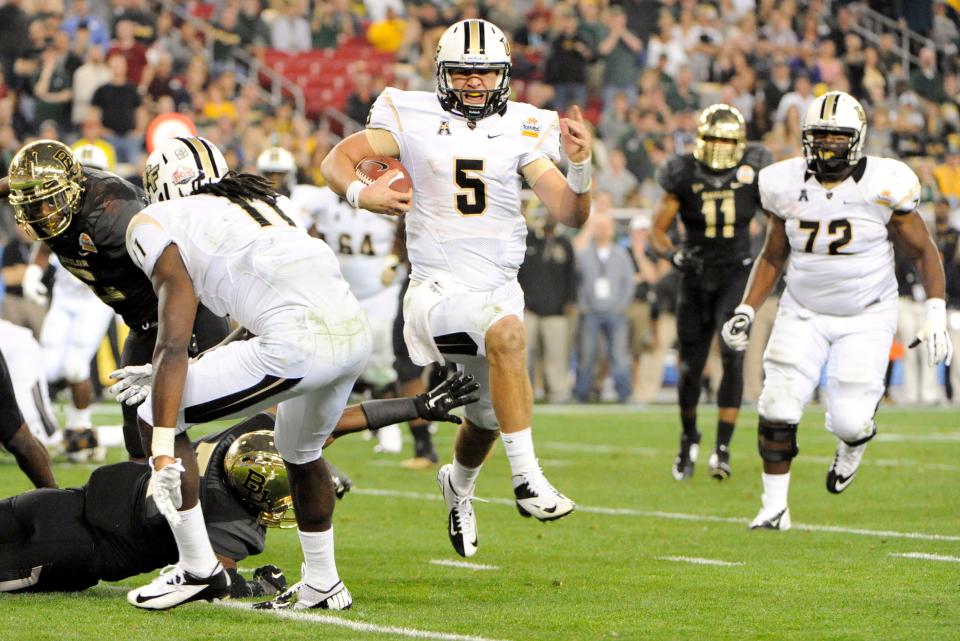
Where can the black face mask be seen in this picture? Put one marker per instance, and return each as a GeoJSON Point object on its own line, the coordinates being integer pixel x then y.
{"type": "Point", "coordinates": [829, 159]}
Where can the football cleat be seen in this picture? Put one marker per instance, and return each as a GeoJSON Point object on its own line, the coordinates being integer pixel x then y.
{"type": "Point", "coordinates": [389, 440]}
{"type": "Point", "coordinates": [461, 521]}
{"type": "Point", "coordinates": [536, 497]}
{"type": "Point", "coordinates": [687, 457]}
{"type": "Point", "coordinates": [80, 444]}
{"type": "Point", "coordinates": [844, 467]}
{"type": "Point", "coordinates": [424, 456]}
{"type": "Point", "coordinates": [720, 463]}
{"type": "Point", "coordinates": [301, 596]}
{"type": "Point", "coordinates": [175, 586]}
{"type": "Point", "coordinates": [777, 518]}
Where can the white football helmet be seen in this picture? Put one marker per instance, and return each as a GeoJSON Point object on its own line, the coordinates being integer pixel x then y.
{"type": "Point", "coordinates": [277, 165]}
{"type": "Point", "coordinates": [180, 166]}
{"type": "Point", "coordinates": [835, 112]}
{"type": "Point", "coordinates": [91, 156]}
{"type": "Point", "coordinates": [473, 45]}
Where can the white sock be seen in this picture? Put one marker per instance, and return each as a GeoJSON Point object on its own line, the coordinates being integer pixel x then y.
{"type": "Point", "coordinates": [775, 488]}
{"type": "Point", "coordinates": [519, 449]}
{"type": "Point", "coordinates": [463, 478]}
{"type": "Point", "coordinates": [196, 553]}
{"type": "Point", "coordinates": [320, 567]}
{"type": "Point", "coordinates": [79, 418]}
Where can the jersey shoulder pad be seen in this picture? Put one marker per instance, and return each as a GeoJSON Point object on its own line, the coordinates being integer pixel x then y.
{"type": "Point", "coordinates": [774, 181]}
{"type": "Point", "coordinates": [534, 128]}
{"type": "Point", "coordinates": [146, 236]}
{"type": "Point", "coordinates": [891, 183]}
{"type": "Point", "coordinates": [396, 109]}
{"type": "Point", "coordinates": [672, 174]}
{"type": "Point", "coordinates": [757, 156]}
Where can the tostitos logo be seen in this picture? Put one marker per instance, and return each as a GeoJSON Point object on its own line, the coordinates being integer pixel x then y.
{"type": "Point", "coordinates": [183, 175]}
{"type": "Point", "coordinates": [530, 128]}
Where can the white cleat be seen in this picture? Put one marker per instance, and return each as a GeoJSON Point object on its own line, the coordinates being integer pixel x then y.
{"type": "Point", "coordinates": [777, 518]}
{"type": "Point", "coordinates": [389, 440]}
{"type": "Point", "coordinates": [461, 521]}
{"type": "Point", "coordinates": [301, 596]}
{"type": "Point", "coordinates": [175, 586]}
{"type": "Point", "coordinates": [536, 497]}
{"type": "Point", "coordinates": [844, 467]}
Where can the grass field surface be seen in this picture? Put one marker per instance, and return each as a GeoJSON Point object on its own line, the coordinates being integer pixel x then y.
{"type": "Point", "coordinates": [644, 557]}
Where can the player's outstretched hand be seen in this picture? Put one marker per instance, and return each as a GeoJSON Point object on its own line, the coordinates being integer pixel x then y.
{"type": "Point", "coordinates": [455, 391]}
{"type": "Point", "coordinates": [166, 489]}
{"type": "Point", "coordinates": [380, 198]}
{"type": "Point", "coordinates": [268, 580]}
{"type": "Point", "coordinates": [688, 260]}
{"type": "Point", "coordinates": [133, 383]}
{"type": "Point", "coordinates": [575, 136]}
{"type": "Point", "coordinates": [934, 333]}
{"type": "Point", "coordinates": [33, 288]}
{"type": "Point", "coordinates": [736, 331]}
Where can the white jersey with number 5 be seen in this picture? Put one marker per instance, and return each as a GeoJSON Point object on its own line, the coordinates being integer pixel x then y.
{"type": "Point", "coordinates": [841, 259]}
{"type": "Point", "coordinates": [465, 222]}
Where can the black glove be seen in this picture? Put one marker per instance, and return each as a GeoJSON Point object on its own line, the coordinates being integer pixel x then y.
{"type": "Point", "coordinates": [455, 391]}
{"type": "Point", "coordinates": [687, 259]}
{"type": "Point", "coordinates": [268, 580]}
{"type": "Point", "coordinates": [341, 482]}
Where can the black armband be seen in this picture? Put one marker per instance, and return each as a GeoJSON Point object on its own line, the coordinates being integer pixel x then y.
{"type": "Point", "coordinates": [388, 412]}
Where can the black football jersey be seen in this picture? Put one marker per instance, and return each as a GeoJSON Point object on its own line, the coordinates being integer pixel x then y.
{"type": "Point", "coordinates": [716, 207]}
{"type": "Point", "coordinates": [93, 248]}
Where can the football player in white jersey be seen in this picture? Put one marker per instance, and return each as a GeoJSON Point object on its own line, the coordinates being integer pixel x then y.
{"type": "Point", "coordinates": [362, 243]}
{"type": "Point", "coordinates": [230, 242]}
{"type": "Point", "coordinates": [831, 216]}
{"type": "Point", "coordinates": [468, 149]}
{"type": "Point", "coordinates": [24, 358]}
{"type": "Point", "coordinates": [72, 330]}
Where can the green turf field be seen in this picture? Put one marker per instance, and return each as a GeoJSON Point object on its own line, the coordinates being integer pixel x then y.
{"type": "Point", "coordinates": [644, 557]}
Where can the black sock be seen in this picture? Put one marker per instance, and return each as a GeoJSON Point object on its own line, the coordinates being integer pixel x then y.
{"type": "Point", "coordinates": [689, 422]}
{"type": "Point", "coordinates": [724, 433]}
{"type": "Point", "coordinates": [422, 440]}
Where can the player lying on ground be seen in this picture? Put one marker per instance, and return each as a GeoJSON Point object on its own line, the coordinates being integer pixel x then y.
{"type": "Point", "coordinates": [110, 529]}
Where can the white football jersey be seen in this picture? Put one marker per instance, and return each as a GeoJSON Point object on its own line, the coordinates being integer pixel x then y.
{"type": "Point", "coordinates": [465, 222]}
{"type": "Point", "coordinates": [247, 262]}
{"type": "Point", "coordinates": [841, 259]}
{"type": "Point", "coordinates": [313, 202]}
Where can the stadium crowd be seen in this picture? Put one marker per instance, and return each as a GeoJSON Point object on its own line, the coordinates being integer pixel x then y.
{"type": "Point", "coordinates": [97, 72]}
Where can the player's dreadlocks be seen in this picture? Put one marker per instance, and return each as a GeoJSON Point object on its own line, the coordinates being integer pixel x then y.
{"type": "Point", "coordinates": [238, 187]}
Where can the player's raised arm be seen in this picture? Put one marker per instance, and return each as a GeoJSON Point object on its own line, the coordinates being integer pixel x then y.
{"type": "Point", "coordinates": [566, 198]}
{"type": "Point", "coordinates": [339, 169]}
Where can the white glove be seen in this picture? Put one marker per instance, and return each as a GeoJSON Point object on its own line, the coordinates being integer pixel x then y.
{"type": "Point", "coordinates": [33, 288]}
{"type": "Point", "coordinates": [934, 333]}
{"type": "Point", "coordinates": [389, 273]}
{"type": "Point", "coordinates": [133, 384]}
{"type": "Point", "coordinates": [166, 490]}
{"type": "Point", "coordinates": [736, 331]}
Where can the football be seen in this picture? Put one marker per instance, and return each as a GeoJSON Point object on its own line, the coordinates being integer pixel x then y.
{"type": "Point", "coordinates": [371, 168]}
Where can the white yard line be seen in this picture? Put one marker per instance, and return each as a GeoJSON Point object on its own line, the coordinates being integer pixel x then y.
{"type": "Point", "coordinates": [463, 564]}
{"type": "Point", "coordinates": [679, 516]}
{"type": "Point", "coordinates": [942, 437]}
{"type": "Point", "coordinates": [696, 560]}
{"type": "Point", "coordinates": [923, 556]}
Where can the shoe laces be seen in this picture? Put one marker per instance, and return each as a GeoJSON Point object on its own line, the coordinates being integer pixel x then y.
{"type": "Point", "coordinates": [172, 575]}
{"type": "Point", "coordinates": [537, 481]}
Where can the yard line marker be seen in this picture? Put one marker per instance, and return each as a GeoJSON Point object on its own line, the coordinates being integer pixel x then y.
{"type": "Point", "coordinates": [699, 561]}
{"type": "Point", "coordinates": [947, 437]}
{"type": "Point", "coordinates": [356, 626]}
{"type": "Point", "coordinates": [679, 516]}
{"type": "Point", "coordinates": [463, 564]}
{"type": "Point", "coordinates": [926, 557]}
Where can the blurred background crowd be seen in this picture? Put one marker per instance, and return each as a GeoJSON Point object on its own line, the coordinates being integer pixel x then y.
{"type": "Point", "coordinates": [302, 73]}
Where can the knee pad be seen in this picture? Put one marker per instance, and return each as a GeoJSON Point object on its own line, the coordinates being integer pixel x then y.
{"type": "Point", "coordinates": [784, 434]}
{"type": "Point", "coordinates": [851, 427]}
{"type": "Point", "coordinates": [778, 403]}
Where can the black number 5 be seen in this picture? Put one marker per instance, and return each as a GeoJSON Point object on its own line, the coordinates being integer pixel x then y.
{"type": "Point", "coordinates": [472, 197]}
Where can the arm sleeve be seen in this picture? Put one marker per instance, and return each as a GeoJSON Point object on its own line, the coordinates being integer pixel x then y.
{"type": "Point", "coordinates": [146, 240]}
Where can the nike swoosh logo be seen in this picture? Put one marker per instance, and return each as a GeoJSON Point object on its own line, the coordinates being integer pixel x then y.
{"type": "Point", "coordinates": [454, 531]}
{"type": "Point", "coordinates": [550, 510]}
{"type": "Point", "coordinates": [843, 482]}
{"type": "Point", "coordinates": [494, 135]}
{"type": "Point", "coordinates": [142, 599]}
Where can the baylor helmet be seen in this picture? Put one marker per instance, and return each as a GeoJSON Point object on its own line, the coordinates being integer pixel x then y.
{"type": "Point", "coordinates": [721, 137]}
{"type": "Point", "coordinates": [256, 472]}
{"type": "Point", "coordinates": [46, 188]}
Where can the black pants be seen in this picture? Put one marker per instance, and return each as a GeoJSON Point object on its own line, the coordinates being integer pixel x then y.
{"type": "Point", "coordinates": [705, 302]}
{"type": "Point", "coordinates": [44, 543]}
{"type": "Point", "coordinates": [208, 330]}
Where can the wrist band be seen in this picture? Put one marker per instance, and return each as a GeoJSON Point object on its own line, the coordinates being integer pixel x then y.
{"type": "Point", "coordinates": [353, 193]}
{"type": "Point", "coordinates": [162, 442]}
{"type": "Point", "coordinates": [579, 176]}
{"type": "Point", "coordinates": [745, 309]}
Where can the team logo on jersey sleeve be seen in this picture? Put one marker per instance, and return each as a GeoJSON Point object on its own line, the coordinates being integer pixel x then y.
{"type": "Point", "coordinates": [86, 243]}
{"type": "Point", "coordinates": [746, 174]}
{"type": "Point", "coordinates": [530, 128]}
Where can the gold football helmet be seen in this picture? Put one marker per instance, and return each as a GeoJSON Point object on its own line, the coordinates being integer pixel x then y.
{"type": "Point", "coordinates": [46, 188]}
{"type": "Point", "coordinates": [256, 472]}
{"type": "Point", "coordinates": [721, 137]}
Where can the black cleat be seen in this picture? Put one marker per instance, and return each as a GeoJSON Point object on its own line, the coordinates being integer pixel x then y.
{"type": "Point", "coordinates": [687, 457]}
{"type": "Point", "coordinates": [720, 463]}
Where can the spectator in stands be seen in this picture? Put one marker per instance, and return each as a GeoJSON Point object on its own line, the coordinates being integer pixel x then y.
{"type": "Point", "coordinates": [604, 292]}
{"type": "Point", "coordinates": [132, 50]}
{"type": "Point", "coordinates": [681, 94]}
{"type": "Point", "coordinates": [290, 31]}
{"type": "Point", "coordinates": [874, 73]}
{"type": "Point", "coordinates": [118, 102]}
{"type": "Point", "coordinates": [637, 144]}
{"type": "Point", "coordinates": [251, 28]}
{"type": "Point", "coordinates": [619, 49]}
{"type": "Point", "coordinates": [531, 43]}
{"type": "Point", "coordinates": [947, 237]}
{"type": "Point", "coordinates": [615, 119]}
{"type": "Point", "coordinates": [947, 174]}
{"type": "Point", "coordinates": [79, 17]}
{"type": "Point", "coordinates": [378, 9]}
{"type": "Point", "coordinates": [171, 40]}
{"type": "Point", "coordinates": [945, 34]}
{"type": "Point", "coordinates": [332, 23]}
{"type": "Point", "coordinates": [138, 13]}
{"type": "Point", "coordinates": [389, 34]}
{"type": "Point", "coordinates": [640, 312]}
{"type": "Point", "coordinates": [548, 279]}
{"type": "Point", "coordinates": [27, 64]}
{"type": "Point", "coordinates": [925, 79]}
{"type": "Point", "coordinates": [664, 45]}
{"type": "Point", "coordinates": [92, 133]}
{"type": "Point", "coordinates": [13, 34]}
{"type": "Point", "coordinates": [53, 86]}
{"type": "Point", "coordinates": [362, 98]}
{"type": "Point", "coordinates": [566, 66]}
{"type": "Point", "coordinates": [225, 38]}
{"type": "Point", "coordinates": [617, 180]}
{"type": "Point", "coordinates": [801, 97]}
